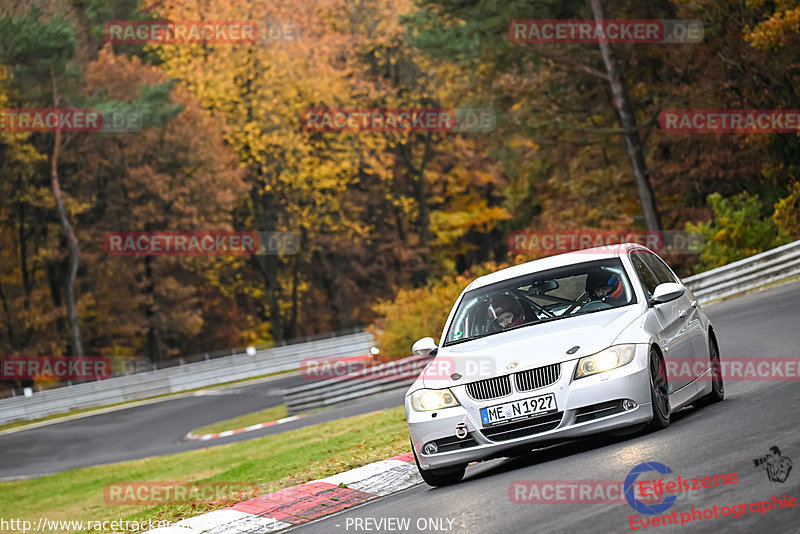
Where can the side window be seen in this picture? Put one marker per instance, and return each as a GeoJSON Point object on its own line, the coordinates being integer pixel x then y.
{"type": "Point", "coordinates": [659, 268]}
{"type": "Point", "coordinates": [646, 276]}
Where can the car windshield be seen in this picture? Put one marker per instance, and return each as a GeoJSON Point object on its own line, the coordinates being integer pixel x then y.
{"type": "Point", "coordinates": [544, 296]}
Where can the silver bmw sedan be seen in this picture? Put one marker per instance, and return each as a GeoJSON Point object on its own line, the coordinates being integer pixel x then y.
{"type": "Point", "coordinates": [555, 349]}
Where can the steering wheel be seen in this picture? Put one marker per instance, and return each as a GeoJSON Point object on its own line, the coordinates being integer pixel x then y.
{"type": "Point", "coordinates": [494, 326]}
{"type": "Point", "coordinates": [546, 312]}
{"type": "Point", "coordinates": [535, 306]}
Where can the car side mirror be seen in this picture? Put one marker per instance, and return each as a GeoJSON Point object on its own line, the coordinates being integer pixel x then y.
{"type": "Point", "coordinates": [666, 292]}
{"type": "Point", "coordinates": [424, 347]}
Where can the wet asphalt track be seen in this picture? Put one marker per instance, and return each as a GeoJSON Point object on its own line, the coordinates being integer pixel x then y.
{"type": "Point", "coordinates": [157, 429]}
{"type": "Point", "coordinates": [718, 439]}
{"type": "Point", "coordinates": [721, 438]}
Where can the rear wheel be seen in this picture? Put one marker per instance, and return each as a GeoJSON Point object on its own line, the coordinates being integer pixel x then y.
{"type": "Point", "coordinates": [717, 387]}
{"type": "Point", "coordinates": [441, 477]}
{"type": "Point", "coordinates": [659, 392]}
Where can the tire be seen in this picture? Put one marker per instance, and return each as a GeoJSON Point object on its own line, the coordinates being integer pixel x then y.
{"type": "Point", "coordinates": [717, 386]}
{"type": "Point", "coordinates": [441, 477]}
{"type": "Point", "coordinates": [659, 393]}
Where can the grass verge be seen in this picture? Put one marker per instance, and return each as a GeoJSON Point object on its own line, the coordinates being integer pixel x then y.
{"type": "Point", "coordinates": [271, 462]}
{"type": "Point", "coordinates": [253, 418]}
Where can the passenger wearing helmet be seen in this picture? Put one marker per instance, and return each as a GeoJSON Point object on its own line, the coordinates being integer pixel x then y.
{"type": "Point", "coordinates": [604, 286]}
{"type": "Point", "coordinates": [505, 311]}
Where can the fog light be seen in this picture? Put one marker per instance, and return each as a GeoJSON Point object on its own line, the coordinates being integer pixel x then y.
{"type": "Point", "coordinates": [430, 448]}
{"type": "Point", "coordinates": [628, 404]}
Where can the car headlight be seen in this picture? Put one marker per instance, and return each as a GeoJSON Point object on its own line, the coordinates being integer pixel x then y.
{"type": "Point", "coordinates": [605, 360]}
{"type": "Point", "coordinates": [427, 400]}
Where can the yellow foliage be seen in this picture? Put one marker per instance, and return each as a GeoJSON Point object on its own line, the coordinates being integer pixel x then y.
{"type": "Point", "coordinates": [420, 312]}
{"type": "Point", "coordinates": [787, 213]}
{"type": "Point", "coordinates": [775, 30]}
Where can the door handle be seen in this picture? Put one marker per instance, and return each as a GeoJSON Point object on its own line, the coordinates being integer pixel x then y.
{"type": "Point", "coordinates": [694, 304]}
{"type": "Point", "coordinates": [682, 314]}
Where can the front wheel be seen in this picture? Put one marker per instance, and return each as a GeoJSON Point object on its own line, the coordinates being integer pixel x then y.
{"type": "Point", "coordinates": [659, 392]}
{"type": "Point", "coordinates": [717, 387]}
{"type": "Point", "coordinates": [440, 477]}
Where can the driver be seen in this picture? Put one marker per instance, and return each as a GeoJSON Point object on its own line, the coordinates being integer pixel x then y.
{"type": "Point", "coordinates": [603, 285]}
{"type": "Point", "coordinates": [507, 310]}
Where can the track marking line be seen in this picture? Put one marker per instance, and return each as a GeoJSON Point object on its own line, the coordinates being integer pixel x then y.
{"type": "Point", "coordinates": [259, 426]}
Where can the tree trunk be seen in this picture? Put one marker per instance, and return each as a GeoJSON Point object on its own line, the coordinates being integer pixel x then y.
{"type": "Point", "coordinates": [11, 337]}
{"type": "Point", "coordinates": [292, 328]}
{"type": "Point", "coordinates": [154, 344]}
{"type": "Point", "coordinates": [266, 220]}
{"type": "Point", "coordinates": [633, 143]}
{"type": "Point", "coordinates": [423, 214]}
{"type": "Point", "coordinates": [69, 234]}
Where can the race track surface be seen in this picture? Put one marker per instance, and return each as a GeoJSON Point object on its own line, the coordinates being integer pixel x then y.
{"type": "Point", "coordinates": [158, 429]}
{"type": "Point", "coordinates": [721, 438]}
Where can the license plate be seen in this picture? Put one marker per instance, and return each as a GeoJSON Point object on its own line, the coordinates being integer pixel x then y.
{"type": "Point", "coordinates": [517, 410]}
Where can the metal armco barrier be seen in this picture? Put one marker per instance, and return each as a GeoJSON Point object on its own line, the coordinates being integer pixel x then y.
{"type": "Point", "coordinates": [749, 273]}
{"type": "Point", "coordinates": [180, 378]}
{"type": "Point", "coordinates": [398, 374]}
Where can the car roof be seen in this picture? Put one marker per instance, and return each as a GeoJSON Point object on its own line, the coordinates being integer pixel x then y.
{"type": "Point", "coordinates": [551, 262]}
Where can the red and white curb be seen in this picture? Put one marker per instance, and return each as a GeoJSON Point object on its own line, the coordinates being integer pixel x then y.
{"type": "Point", "coordinates": [206, 437]}
{"type": "Point", "coordinates": [306, 502]}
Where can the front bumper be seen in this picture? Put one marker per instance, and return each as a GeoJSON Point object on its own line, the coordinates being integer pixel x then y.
{"type": "Point", "coordinates": [585, 406]}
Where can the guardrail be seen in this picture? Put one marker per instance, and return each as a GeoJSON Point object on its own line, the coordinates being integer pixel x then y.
{"type": "Point", "coordinates": [397, 374]}
{"type": "Point", "coordinates": [749, 273]}
{"type": "Point", "coordinates": [181, 378]}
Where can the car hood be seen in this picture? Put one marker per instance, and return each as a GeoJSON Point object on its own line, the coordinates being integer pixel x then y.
{"type": "Point", "coordinates": [528, 347]}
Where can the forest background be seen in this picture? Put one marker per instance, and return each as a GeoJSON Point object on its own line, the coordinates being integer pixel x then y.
{"type": "Point", "coordinates": [392, 225]}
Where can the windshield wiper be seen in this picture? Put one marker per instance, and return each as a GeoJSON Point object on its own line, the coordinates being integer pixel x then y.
{"type": "Point", "coordinates": [457, 341]}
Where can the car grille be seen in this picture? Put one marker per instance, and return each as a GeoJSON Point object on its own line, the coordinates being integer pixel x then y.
{"type": "Point", "coordinates": [596, 411]}
{"type": "Point", "coordinates": [493, 388]}
{"type": "Point", "coordinates": [528, 427]}
{"type": "Point", "coordinates": [537, 378]}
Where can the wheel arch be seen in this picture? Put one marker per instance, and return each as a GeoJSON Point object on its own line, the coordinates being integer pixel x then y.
{"type": "Point", "coordinates": [712, 336]}
{"type": "Point", "coordinates": [655, 346]}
